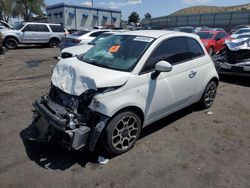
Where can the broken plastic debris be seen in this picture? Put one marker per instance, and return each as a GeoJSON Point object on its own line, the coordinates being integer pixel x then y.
{"type": "Point", "coordinates": [102, 160]}
{"type": "Point", "coordinates": [210, 113]}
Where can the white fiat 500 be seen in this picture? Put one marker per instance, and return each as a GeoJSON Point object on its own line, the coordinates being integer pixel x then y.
{"type": "Point", "coordinates": [124, 83]}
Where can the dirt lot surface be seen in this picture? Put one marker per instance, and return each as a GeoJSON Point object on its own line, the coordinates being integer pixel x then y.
{"type": "Point", "coordinates": [189, 149]}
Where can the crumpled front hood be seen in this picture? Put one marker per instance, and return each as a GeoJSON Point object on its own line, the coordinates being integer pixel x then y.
{"type": "Point", "coordinates": [75, 77]}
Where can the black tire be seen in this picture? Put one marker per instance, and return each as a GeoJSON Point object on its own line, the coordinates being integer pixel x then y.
{"type": "Point", "coordinates": [10, 43]}
{"type": "Point", "coordinates": [208, 96]}
{"type": "Point", "coordinates": [211, 51]}
{"type": "Point", "coordinates": [54, 43]}
{"type": "Point", "coordinates": [120, 137]}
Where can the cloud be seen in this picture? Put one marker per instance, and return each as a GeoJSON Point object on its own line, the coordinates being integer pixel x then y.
{"type": "Point", "coordinates": [119, 5]}
{"type": "Point", "coordinates": [88, 3]}
{"type": "Point", "coordinates": [196, 1]}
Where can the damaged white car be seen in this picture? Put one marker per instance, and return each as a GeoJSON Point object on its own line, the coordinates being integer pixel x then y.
{"type": "Point", "coordinates": [124, 83]}
{"type": "Point", "coordinates": [235, 58]}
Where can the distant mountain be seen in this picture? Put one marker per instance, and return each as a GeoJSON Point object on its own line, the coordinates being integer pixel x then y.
{"type": "Point", "coordinates": [210, 9]}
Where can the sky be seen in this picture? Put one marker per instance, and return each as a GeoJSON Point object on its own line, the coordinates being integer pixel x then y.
{"type": "Point", "coordinates": [155, 7]}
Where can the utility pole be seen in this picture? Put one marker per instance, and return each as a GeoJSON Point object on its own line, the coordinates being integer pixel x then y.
{"type": "Point", "coordinates": [92, 2]}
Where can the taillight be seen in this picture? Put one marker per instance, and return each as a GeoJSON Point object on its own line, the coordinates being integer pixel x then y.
{"type": "Point", "coordinates": [76, 41]}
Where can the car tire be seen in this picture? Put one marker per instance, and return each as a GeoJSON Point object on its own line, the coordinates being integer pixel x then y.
{"type": "Point", "coordinates": [54, 43]}
{"type": "Point", "coordinates": [210, 51]}
{"type": "Point", "coordinates": [121, 133]}
{"type": "Point", "coordinates": [10, 43]}
{"type": "Point", "coordinates": [208, 96]}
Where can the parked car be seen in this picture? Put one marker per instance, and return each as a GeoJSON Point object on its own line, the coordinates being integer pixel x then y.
{"type": "Point", "coordinates": [124, 83]}
{"type": "Point", "coordinates": [81, 49]}
{"type": "Point", "coordinates": [238, 27]}
{"type": "Point", "coordinates": [235, 58]}
{"type": "Point", "coordinates": [244, 35]}
{"type": "Point", "coordinates": [240, 31]}
{"type": "Point", "coordinates": [33, 33]}
{"type": "Point", "coordinates": [213, 40]}
{"type": "Point", "coordinates": [217, 29]}
{"type": "Point", "coordinates": [186, 29]}
{"type": "Point", "coordinates": [81, 37]}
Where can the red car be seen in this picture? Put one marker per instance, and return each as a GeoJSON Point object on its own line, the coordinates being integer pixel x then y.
{"type": "Point", "coordinates": [213, 40]}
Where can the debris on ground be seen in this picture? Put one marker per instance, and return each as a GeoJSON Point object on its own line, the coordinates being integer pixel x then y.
{"type": "Point", "coordinates": [102, 160]}
{"type": "Point", "coordinates": [210, 113]}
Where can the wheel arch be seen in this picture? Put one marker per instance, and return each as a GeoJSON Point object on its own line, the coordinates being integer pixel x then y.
{"type": "Point", "coordinates": [135, 109]}
{"type": "Point", "coordinates": [11, 36]}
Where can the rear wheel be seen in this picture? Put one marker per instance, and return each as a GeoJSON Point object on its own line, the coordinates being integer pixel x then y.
{"type": "Point", "coordinates": [10, 43]}
{"type": "Point", "coordinates": [208, 96]}
{"type": "Point", "coordinates": [53, 43]}
{"type": "Point", "coordinates": [121, 133]}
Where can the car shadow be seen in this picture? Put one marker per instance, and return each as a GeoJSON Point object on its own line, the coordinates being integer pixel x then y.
{"type": "Point", "coordinates": [167, 121]}
{"type": "Point", "coordinates": [236, 80]}
{"type": "Point", "coordinates": [51, 156]}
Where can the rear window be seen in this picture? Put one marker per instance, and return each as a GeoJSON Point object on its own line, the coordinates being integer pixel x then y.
{"type": "Point", "coordinates": [56, 28]}
{"type": "Point", "coordinates": [79, 33]}
{"type": "Point", "coordinates": [205, 35]}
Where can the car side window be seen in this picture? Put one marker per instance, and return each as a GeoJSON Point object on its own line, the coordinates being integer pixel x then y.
{"type": "Point", "coordinates": [173, 50]}
{"type": "Point", "coordinates": [56, 28]}
{"type": "Point", "coordinates": [41, 28]}
{"type": "Point", "coordinates": [36, 28]}
{"type": "Point", "coordinates": [30, 27]}
{"type": "Point", "coordinates": [96, 34]}
{"type": "Point", "coordinates": [194, 48]}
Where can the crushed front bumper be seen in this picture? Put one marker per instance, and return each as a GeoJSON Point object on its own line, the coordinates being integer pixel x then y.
{"type": "Point", "coordinates": [52, 120]}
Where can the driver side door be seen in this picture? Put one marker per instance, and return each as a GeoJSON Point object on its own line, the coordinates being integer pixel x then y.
{"type": "Point", "coordinates": [29, 34]}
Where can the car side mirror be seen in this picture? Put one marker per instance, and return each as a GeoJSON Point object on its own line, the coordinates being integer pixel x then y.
{"type": "Point", "coordinates": [163, 66]}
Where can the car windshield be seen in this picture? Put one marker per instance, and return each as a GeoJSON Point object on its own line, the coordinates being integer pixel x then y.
{"type": "Point", "coordinates": [205, 35]}
{"type": "Point", "coordinates": [19, 26]}
{"type": "Point", "coordinates": [117, 52]}
{"type": "Point", "coordinates": [79, 33]}
{"type": "Point", "coordinates": [99, 38]}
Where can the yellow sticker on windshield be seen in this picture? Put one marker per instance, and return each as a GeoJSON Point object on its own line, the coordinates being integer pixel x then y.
{"type": "Point", "coordinates": [114, 49]}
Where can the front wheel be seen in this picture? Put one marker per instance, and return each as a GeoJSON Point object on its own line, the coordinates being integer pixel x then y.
{"type": "Point", "coordinates": [10, 43]}
{"type": "Point", "coordinates": [208, 96]}
{"type": "Point", "coordinates": [121, 133]}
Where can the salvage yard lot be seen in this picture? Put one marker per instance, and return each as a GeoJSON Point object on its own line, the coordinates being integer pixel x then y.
{"type": "Point", "coordinates": [187, 149]}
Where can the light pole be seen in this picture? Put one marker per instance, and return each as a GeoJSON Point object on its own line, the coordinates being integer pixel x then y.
{"type": "Point", "coordinates": [92, 2]}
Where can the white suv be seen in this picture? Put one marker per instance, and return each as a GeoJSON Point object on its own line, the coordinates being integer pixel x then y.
{"type": "Point", "coordinates": [33, 33]}
{"type": "Point", "coordinates": [125, 82]}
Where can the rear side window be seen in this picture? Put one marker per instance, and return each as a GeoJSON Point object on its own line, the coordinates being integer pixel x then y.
{"type": "Point", "coordinates": [194, 48]}
{"type": "Point", "coordinates": [56, 28]}
{"type": "Point", "coordinates": [96, 34]}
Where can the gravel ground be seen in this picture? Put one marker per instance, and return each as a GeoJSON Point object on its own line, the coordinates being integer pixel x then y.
{"type": "Point", "coordinates": [187, 149]}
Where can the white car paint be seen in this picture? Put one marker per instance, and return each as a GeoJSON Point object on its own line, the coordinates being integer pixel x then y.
{"type": "Point", "coordinates": [156, 98]}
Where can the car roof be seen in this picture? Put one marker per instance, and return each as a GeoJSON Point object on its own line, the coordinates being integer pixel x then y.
{"type": "Point", "coordinates": [150, 33]}
{"type": "Point", "coordinates": [40, 23]}
{"type": "Point", "coordinates": [212, 31]}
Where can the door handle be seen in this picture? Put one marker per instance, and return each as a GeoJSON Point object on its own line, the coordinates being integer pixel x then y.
{"type": "Point", "coordinates": [192, 74]}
